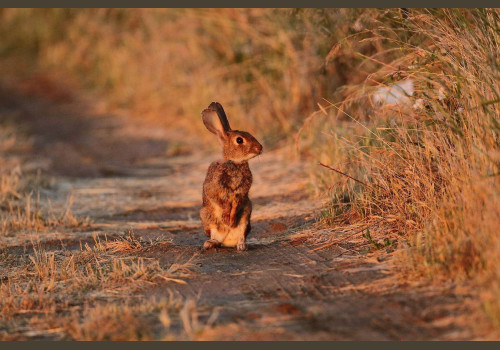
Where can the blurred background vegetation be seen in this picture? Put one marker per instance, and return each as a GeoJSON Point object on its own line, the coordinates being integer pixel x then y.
{"type": "Point", "coordinates": [427, 162]}
{"type": "Point", "coordinates": [269, 68]}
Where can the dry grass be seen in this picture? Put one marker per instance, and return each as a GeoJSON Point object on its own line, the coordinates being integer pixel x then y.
{"type": "Point", "coordinates": [28, 215]}
{"type": "Point", "coordinates": [21, 207]}
{"type": "Point", "coordinates": [10, 170]}
{"type": "Point", "coordinates": [429, 163]}
{"type": "Point", "coordinates": [87, 294]}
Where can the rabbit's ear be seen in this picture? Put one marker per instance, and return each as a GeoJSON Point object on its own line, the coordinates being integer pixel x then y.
{"type": "Point", "coordinates": [216, 106]}
{"type": "Point", "coordinates": [215, 119]}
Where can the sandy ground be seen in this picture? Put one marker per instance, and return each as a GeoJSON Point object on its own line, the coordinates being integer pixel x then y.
{"type": "Point", "coordinates": [118, 173]}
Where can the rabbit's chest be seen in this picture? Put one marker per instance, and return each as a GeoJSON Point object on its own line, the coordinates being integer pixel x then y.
{"type": "Point", "coordinates": [237, 184]}
{"type": "Point", "coordinates": [238, 179]}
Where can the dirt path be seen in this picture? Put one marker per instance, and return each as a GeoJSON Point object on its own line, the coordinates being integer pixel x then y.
{"type": "Point", "coordinates": [119, 175]}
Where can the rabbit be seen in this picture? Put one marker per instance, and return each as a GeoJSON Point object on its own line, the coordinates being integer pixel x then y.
{"type": "Point", "coordinates": [226, 208]}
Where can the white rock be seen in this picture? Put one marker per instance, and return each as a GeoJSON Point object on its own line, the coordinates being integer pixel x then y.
{"type": "Point", "coordinates": [395, 94]}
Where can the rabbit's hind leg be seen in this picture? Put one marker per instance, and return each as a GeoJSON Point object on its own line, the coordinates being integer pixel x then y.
{"type": "Point", "coordinates": [236, 235]}
{"type": "Point", "coordinates": [244, 227]}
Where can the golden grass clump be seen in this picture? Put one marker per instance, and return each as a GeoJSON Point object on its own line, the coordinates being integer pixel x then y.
{"type": "Point", "coordinates": [66, 289]}
{"type": "Point", "coordinates": [149, 319]}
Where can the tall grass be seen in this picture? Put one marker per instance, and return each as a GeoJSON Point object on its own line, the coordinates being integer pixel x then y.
{"type": "Point", "coordinates": [429, 162]}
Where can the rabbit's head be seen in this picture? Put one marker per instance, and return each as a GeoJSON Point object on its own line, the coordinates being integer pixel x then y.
{"type": "Point", "coordinates": [237, 146]}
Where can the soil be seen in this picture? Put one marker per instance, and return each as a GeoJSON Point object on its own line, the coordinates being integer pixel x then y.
{"type": "Point", "coordinates": [120, 173]}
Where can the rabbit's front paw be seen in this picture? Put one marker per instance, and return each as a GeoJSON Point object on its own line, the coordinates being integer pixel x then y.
{"type": "Point", "coordinates": [211, 243]}
{"type": "Point", "coordinates": [241, 246]}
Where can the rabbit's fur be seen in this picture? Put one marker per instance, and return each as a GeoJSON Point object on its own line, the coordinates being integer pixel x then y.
{"type": "Point", "coordinates": [226, 209]}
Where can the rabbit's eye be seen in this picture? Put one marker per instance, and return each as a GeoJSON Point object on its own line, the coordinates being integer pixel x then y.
{"type": "Point", "coordinates": [239, 140]}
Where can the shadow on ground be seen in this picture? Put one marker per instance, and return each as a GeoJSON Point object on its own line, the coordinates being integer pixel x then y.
{"type": "Point", "coordinates": [77, 142]}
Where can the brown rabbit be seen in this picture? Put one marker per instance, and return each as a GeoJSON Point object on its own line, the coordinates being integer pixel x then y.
{"type": "Point", "coordinates": [226, 209]}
